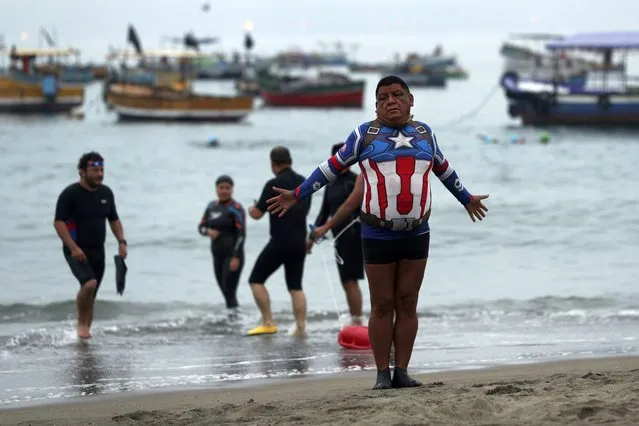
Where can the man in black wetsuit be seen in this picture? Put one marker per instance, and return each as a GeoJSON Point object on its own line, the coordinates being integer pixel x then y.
{"type": "Point", "coordinates": [349, 242]}
{"type": "Point", "coordinates": [80, 221]}
{"type": "Point", "coordinates": [287, 246]}
{"type": "Point", "coordinates": [225, 224]}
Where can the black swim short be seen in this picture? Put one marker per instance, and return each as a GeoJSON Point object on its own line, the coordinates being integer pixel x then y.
{"type": "Point", "coordinates": [276, 254]}
{"type": "Point", "coordinates": [349, 249]}
{"type": "Point", "coordinates": [92, 269]}
{"type": "Point", "coordinates": [390, 251]}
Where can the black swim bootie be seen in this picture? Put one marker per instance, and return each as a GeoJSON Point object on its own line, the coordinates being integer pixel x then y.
{"type": "Point", "coordinates": [383, 380]}
{"type": "Point", "coordinates": [401, 379]}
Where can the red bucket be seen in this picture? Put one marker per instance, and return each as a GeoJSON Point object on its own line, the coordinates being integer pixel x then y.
{"type": "Point", "coordinates": [354, 337]}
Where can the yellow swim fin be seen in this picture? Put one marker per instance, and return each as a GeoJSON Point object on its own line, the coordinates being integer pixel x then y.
{"type": "Point", "coordinates": [262, 329]}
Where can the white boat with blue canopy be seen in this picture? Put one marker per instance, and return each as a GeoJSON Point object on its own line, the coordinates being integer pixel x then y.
{"type": "Point", "coordinates": [603, 96]}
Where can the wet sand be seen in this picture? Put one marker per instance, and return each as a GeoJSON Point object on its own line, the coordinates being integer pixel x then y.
{"type": "Point", "coordinates": [589, 391]}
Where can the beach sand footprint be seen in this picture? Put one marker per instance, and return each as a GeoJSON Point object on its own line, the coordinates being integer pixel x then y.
{"type": "Point", "coordinates": [508, 389]}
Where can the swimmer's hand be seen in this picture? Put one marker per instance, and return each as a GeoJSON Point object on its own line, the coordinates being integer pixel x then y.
{"type": "Point", "coordinates": [78, 254]}
{"type": "Point", "coordinates": [320, 231]}
{"type": "Point", "coordinates": [281, 203]}
{"type": "Point", "coordinates": [476, 209]}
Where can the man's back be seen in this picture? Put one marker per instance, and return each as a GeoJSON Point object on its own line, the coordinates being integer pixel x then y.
{"type": "Point", "coordinates": [292, 226]}
{"type": "Point", "coordinates": [335, 195]}
{"type": "Point", "coordinates": [338, 191]}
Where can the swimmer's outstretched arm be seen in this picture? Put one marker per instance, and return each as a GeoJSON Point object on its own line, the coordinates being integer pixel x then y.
{"type": "Point", "coordinates": [325, 173]}
{"type": "Point", "coordinates": [448, 176]}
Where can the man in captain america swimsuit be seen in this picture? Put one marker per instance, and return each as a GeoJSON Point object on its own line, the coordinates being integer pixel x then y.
{"type": "Point", "coordinates": [396, 155]}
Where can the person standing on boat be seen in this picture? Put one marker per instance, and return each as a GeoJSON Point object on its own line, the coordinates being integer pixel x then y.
{"type": "Point", "coordinates": [396, 155]}
{"type": "Point", "coordinates": [348, 241]}
{"type": "Point", "coordinates": [286, 247]}
{"type": "Point", "coordinates": [80, 219]}
{"type": "Point", "coordinates": [224, 222]}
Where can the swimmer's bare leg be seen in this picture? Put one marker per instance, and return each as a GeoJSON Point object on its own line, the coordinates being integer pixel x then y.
{"type": "Point", "coordinates": [410, 274]}
{"type": "Point", "coordinates": [381, 283]}
{"type": "Point", "coordinates": [84, 303]}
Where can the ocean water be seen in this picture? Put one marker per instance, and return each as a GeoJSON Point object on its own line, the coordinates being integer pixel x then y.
{"type": "Point", "coordinates": [550, 273]}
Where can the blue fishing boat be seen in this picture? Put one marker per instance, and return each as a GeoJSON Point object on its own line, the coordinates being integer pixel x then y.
{"type": "Point", "coordinates": [601, 96]}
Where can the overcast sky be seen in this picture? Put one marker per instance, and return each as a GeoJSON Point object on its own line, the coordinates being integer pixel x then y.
{"type": "Point", "coordinates": [92, 25]}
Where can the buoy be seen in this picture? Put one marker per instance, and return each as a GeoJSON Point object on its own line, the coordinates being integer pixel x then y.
{"type": "Point", "coordinates": [354, 337]}
{"type": "Point", "coordinates": [487, 138]}
{"type": "Point", "coordinates": [544, 138]}
{"type": "Point", "coordinates": [214, 141]}
{"type": "Point", "coordinates": [517, 140]}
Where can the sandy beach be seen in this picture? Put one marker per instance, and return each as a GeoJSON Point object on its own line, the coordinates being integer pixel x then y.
{"type": "Point", "coordinates": [588, 391]}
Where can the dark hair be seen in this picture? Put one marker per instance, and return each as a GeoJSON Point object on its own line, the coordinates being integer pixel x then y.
{"type": "Point", "coordinates": [391, 79]}
{"type": "Point", "coordinates": [280, 156]}
{"type": "Point", "coordinates": [224, 179]}
{"type": "Point", "coordinates": [336, 147]}
{"type": "Point", "coordinates": [88, 156]}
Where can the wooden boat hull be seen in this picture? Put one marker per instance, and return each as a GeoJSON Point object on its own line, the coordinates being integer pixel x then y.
{"type": "Point", "coordinates": [327, 90]}
{"type": "Point", "coordinates": [137, 114]}
{"type": "Point", "coordinates": [338, 98]}
{"type": "Point", "coordinates": [138, 103]}
{"type": "Point", "coordinates": [25, 97]}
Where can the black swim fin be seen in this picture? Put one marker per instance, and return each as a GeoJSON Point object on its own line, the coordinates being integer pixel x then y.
{"type": "Point", "coordinates": [120, 273]}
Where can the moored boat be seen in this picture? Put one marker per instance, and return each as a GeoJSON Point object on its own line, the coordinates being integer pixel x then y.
{"type": "Point", "coordinates": [321, 91]}
{"type": "Point", "coordinates": [23, 90]}
{"type": "Point", "coordinates": [155, 95]}
{"type": "Point", "coordinates": [527, 56]}
{"type": "Point", "coordinates": [423, 71]}
{"type": "Point", "coordinates": [422, 78]}
{"type": "Point", "coordinates": [601, 96]}
{"type": "Point", "coordinates": [135, 103]}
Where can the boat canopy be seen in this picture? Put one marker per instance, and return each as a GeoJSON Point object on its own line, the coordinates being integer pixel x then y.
{"type": "Point", "coordinates": [18, 52]}
{"type": "Point", "coordinates": [132, 54]}
{"type": "Point", "coordinates": [598, 41]}
{"type": "Point", "coordinates": [536, 36]}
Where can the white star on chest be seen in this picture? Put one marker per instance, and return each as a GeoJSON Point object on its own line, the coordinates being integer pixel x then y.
{"type": "Point", "coordinates": [402, 140]}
